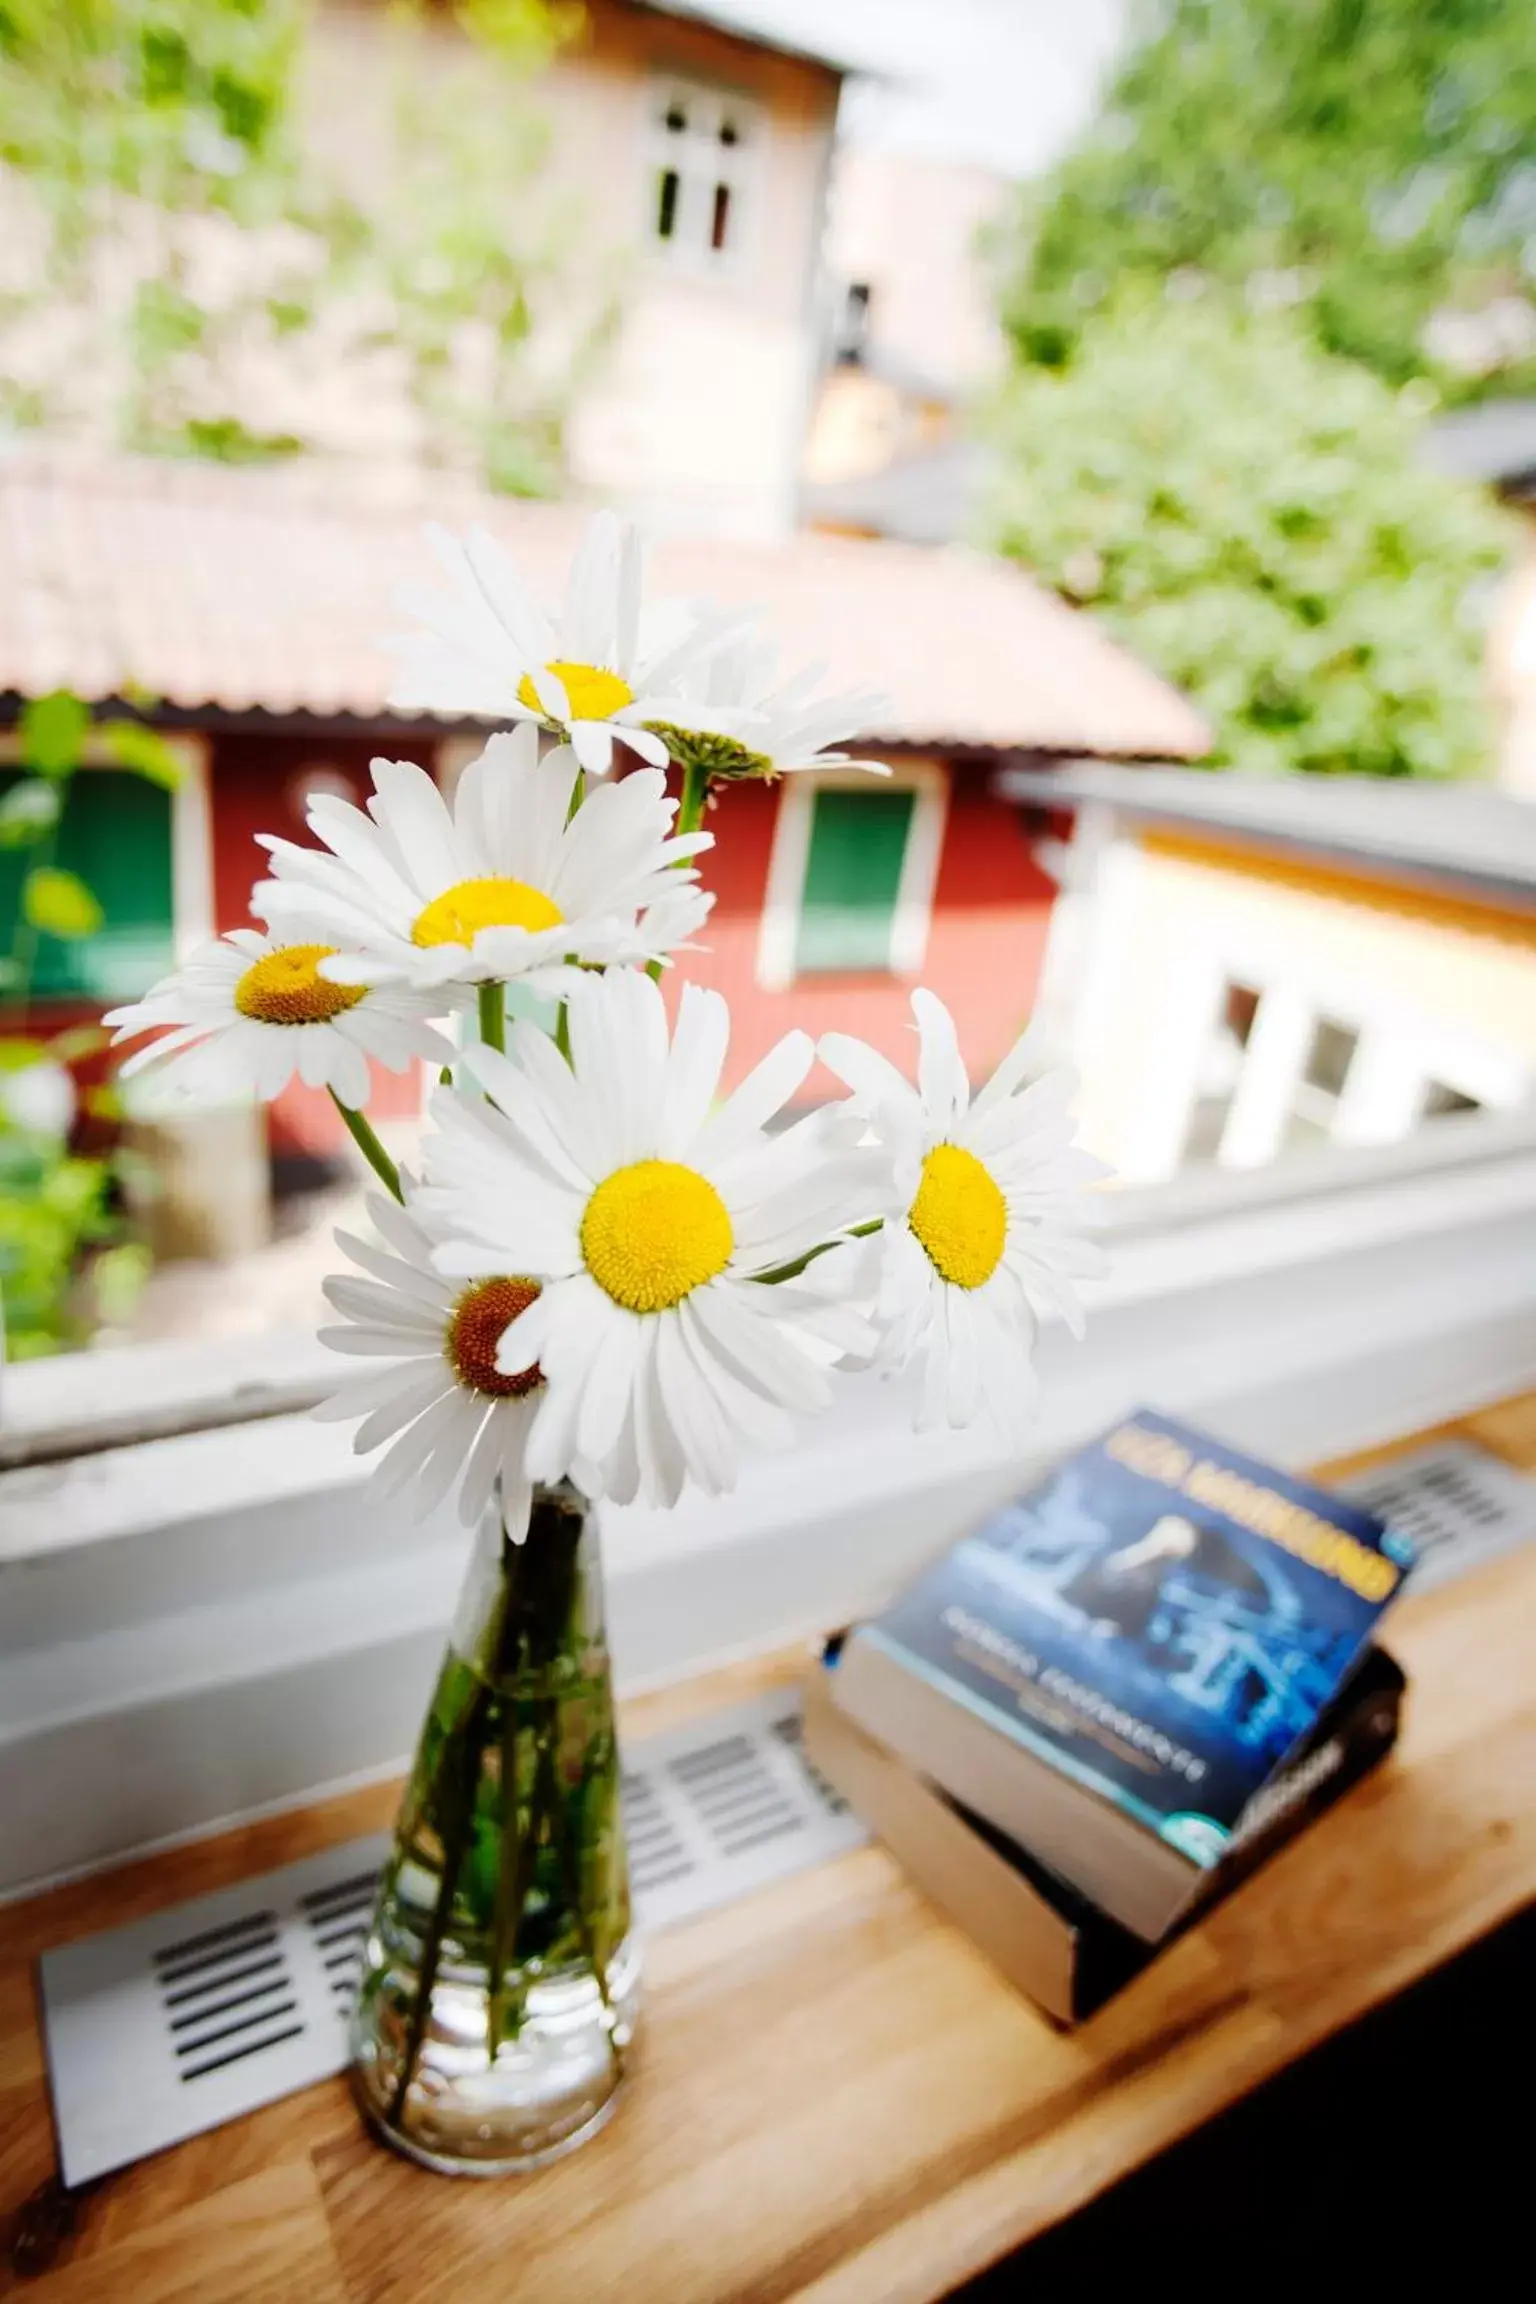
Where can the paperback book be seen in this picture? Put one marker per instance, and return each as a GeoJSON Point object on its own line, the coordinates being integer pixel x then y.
{"type": "Point", "coordinates": [1046, 1937]}
{"type": "Point", "coordinates": [1114, 1669]}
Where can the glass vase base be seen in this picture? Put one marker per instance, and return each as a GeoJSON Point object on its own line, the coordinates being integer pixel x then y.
{"type": "Point", "coordinates": [553, 2085]}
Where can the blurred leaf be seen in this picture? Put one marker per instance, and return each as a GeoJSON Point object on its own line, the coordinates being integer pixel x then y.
{"type": "Point", "coordinates": [103, 1103]}
{"type": "Point", "coordinates": [78, 1042]}
{"type": "Point", "coordinates": [28, 812]}
{"type": "Point", "coordinates": [117, 1280]}
{"type": "Point", "coordinates": [53, 733]}
{"type": "Point", "coordinates": [59, 903]}
{"type": "Point", "coordinates": [144, 750]}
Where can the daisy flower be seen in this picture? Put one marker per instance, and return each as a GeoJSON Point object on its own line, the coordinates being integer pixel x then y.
{"type": "Point", "coordinates": [454, 1420]}
{"type": "Point", "coordinates": [988, 1185]}
{"type": "Point", "coordinates": [499, 884]}
{"type": "Point", "coordinates": [737, 718]}
{"type": "Point", "coordinates": [247, 1012]}
{"type": "Point", "coordinates": [650, 1217]}
{"type": "Point", "coordinates": [594, 675]}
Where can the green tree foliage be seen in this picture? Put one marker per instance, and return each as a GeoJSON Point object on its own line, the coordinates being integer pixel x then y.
{"type": "Point", "coordinates": [66, 1259]}
{"type": "Point", "coordinates": [185, 228]}
{"type": "Point", "coordinates": [1249, 515]}
{"type": "Point", "coordinates": [1371, 161]}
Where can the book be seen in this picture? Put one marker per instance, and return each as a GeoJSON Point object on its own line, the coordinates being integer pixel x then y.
{"type": "Point", "coordinates": [1113, 1669]}
{"type": "Point", "coordinates": [1045, 1937]}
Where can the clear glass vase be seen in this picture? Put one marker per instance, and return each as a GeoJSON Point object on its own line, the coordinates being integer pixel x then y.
{"type": "Point", "coordinates": [497, 2003]}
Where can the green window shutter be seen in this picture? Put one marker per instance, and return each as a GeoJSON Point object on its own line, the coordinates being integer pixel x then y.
{"type": "Point", "coordinates": [115, 834]}
{"type": "Point", "coordinates": [858, 845]}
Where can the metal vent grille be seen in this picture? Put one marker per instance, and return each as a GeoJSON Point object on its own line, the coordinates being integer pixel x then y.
{"type": "Point", "coordinates": [160, 2030]}
{"type": "Point", "coordinates": [1456, 1502]}
{"type": "Point", "coordinates": [226, 1994]}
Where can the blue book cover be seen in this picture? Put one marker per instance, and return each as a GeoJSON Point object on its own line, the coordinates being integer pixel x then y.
{"type": "Point", "coordinates": [1163, 1621]}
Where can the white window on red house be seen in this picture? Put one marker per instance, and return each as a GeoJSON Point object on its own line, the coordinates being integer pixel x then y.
{"type": "Point", "coordinates": [705, 150]}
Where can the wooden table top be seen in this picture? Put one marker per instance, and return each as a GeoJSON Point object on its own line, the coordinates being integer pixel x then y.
{"type": "Point", "coordinates": [836, 2099]}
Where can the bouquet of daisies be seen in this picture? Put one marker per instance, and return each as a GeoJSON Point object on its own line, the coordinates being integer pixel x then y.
{"type": "Point", "coordinates": [609, 1278]}
{"type": "Point", "coordinates": [607, 1270]}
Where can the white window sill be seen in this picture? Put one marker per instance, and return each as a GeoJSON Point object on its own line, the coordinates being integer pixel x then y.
{"type": "Point", "coordinates": [216, 1618]}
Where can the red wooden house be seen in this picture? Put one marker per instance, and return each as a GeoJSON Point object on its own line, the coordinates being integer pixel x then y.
{"type": "Point", "coordinates": [249, 607]}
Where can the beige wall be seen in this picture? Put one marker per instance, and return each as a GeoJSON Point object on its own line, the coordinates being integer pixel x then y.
{"type": "Point", "coordinates": [699, 416]}
{"type": "Point", "coordinates": [1448, 987]}
{"type": "Point", "coordinates": [910, 227]}
{"type": "Point", "coordinates": [696, 414]}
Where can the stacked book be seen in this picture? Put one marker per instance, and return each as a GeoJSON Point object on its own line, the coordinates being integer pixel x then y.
{"type": "Point", "coordinates": [1115, 1700]}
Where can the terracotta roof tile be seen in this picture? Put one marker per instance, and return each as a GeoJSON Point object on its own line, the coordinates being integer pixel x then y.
{"type": "Point", "coordinates": [241, 590]}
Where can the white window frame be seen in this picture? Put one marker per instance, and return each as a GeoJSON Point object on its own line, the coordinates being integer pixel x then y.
{"type": "Point", "coordinates": [779, 931]}
{"type": "Point", "coordinates": [1399, 1054]}
{"type": "Point", "coordinates": [702, 163]}
{"type": "Point", "coordinates": [191, 827]}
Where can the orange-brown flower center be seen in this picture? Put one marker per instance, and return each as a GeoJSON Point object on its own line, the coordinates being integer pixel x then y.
{"type": "Point", "coordinates": [476, 1326]}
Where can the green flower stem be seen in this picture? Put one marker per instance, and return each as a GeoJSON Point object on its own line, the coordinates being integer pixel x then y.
{"type": "Point", "coordinates": [793, 1270]}
{"type": "Point", "coordinates": [370, 1147]}
{"type": "Point", "coordinates": [454, 1810]}
{"type": "Point", "coordinates": [690, 815]}
{"type": "Point", "coordinates": [515, 1871]}
{"type": "Point", "coordinates": [569, 1859]}
{"type": "Point", "coordinates": [690, 809]}
{"type": "Point", "coordinates": [493, 1015]}
{"type": "Point", "coordinates": [563, 1030]}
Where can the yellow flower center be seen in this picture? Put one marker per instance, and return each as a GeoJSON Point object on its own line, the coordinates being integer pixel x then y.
{"type": "Point", "coordinates": [459, 914]}
{"type": "Point", "coordinates": [286, 987]}
{"type": "Point", "coordinates": [475, 1328]}
{"type": "Point", "coordinates": [654, 1231]}
{"type": "Point", "coordinates": [592, 693]}
{"type": "Point", "coordinates": [959, 1216]}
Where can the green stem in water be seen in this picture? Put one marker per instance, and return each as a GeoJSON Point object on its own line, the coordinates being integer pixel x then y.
{"type": "Point", "coordinates": [793, 1270]}
{"type": "Point", "coordinates": [455, 1808]}
{"type": "Point", "coordinates": [569, 1859]}
{"type": "Point", "coordinates": [493, 1015]}
{"type": "Point", "coordinates": [370, 1147]}
{"type": "Point", "coordinates": [515, 1870]}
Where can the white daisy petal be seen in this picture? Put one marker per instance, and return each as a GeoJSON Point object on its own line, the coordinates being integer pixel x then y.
{"type": "Point", "coordinates": [729, 684]}
{"type": "Point", "coordinates": [941, 1080]}
{"type": "Point", "coordinates": [642, 743]}
{"type": "Point", "coordinates": [360, 1394]}
{"type": "Point", "coordinates": [763, 1094]}
{"type": "Point", "coordinates": [873, 1078]}
{"type": "Point", "coordinates": [658, 1366]}
{"type": "Point", "coordinates": [699, 1040]}
{"type": "Point", "coordinates": [487, 645]}
{"type": "Point", "coordinates": [990, 1230]}
{"type": "Point", "coordinates": [254, 1010]}
{"type": "Point", "coordinates": [441, 1404]}
{"type": "Point", "coordinates": [587, 628]}
{"type": "Point", "coordinates": [502, 884]}
{"type": "Point", "coordinates": [593, 742]}
{"type": "Point", "coordinates": [406, 1402]}
{"type": "Point", "coordinates": [529, 632]}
